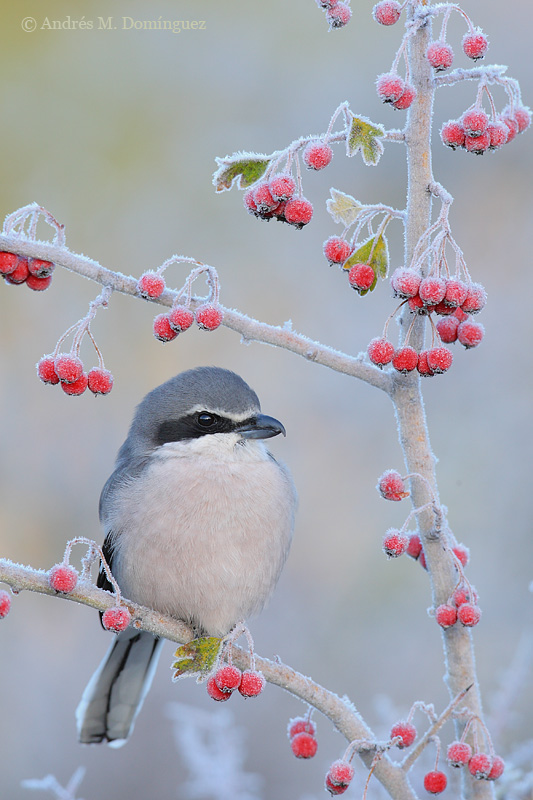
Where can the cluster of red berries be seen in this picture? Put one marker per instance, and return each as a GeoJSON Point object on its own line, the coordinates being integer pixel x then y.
{"type": "Point", "coordinates": [440, 54]}
{"type": "Point", "coordinates": [394, 90]}
{"type": "Point", "coordinates": [167, 326]}
{"type": "Point", "coordinates": [5, 603]}
{"type": "Point", "coordinates": [416, 551]}
{"type": "Point", "coordinates": [302, 736]}
{"type": "Point", "coordinates": [277, 199]}
{"type": "Point", "coordinates": [67, 370]}
{"type": "Point", "coordinates": [226, 679]}
{"type": "Point", "coordinates": [360, 276]}
{"type": "Point", "coordinates": [480, 765]}
{"type": "Point", "coordinates": [63, 578]}
{"type": "Point", "coordinates": [477, 133]}
{"type": "Point", "coordinates": [339, 776]}
{"type": "Point", "coordinates": [34, 272]}
{"type": "Point", "coordinates": [461, 607]}
{"type": "Point", "coordinates": [338, 14]}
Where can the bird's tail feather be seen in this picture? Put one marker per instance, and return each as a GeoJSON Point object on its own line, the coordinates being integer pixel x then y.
{"type": "Point", "coordinates": [116, 691]}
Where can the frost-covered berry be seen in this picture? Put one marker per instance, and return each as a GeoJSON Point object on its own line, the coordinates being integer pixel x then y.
{"type": "Point", "coordinates": [380, 351]}
{"type": "Point", "coordinates": [474, 122]}
{"type": "Point", "coordinates": [439, 359]}
{"type": "Point", "coordinates": [406, 99]}
{"type": "Point", "coordinates": [447, 329]}
{"type": "Point", "coordinates": [395, 543]}
{"type": "Point", "coordinates": [387, 12]}
{"type": "Point", "coordinates": [38, 284]}
{"type": "Point", "coordinates": [116, 619]}
{"type": "Point", "coordinates": [40, 268]}
{"type": "Point", "coordinates": [470, 333]}
{"type": "Point", "coordinates": [463, 594]}
{"type": "Point", "coordinates": [298, 212]}
{"type": "Point", "coordinates": [477, 144]}
{"type": "Point", "coordinates": [406, 731]}
{"type": "Point", "coordinates": [162, 329]}
{"type": "Point", "coordinates": [99, 381]}
{"type": "Point", "coordinates": [46, 370]}
{"type": "Point", "coordinates": [5, 603]}
{"type": "Point", "coordinates": [337, 249]}
{"type": "Point", "coordinates": [214, 692]}
{"type": "Point", "coordinates": [249, 202]}
{"type": "Point", "coordinates": [68, 367]}
{"type": "Point", "coordinates": [458, 754]}
{"type": "Point", "coordinates": [475, 300]}
{"type": "Point", "coordinates": [63, 578]}
{"type": "Point", "coordinates": [422, 366]}
{"type": "Point", "coordinates": [391, 486]}
{"type": "Point", "coordinates": [414, 548]}
{"type": "Point", "coordinates": [446, 615]}
{"type": "Point", "coordinates": [338, 15]}
{"type": "Point", "coordinates": [339, 777]}
{"type": "Point", "coordinates": [405, 359]}
{"type": "Point", "coordinates": [361, 277]}
{"type": "Point", "coordinates": [480, 766]}
{"type": "Point", "coordinates": [497, 132]}
{"type": "Point", "coordinates": [317, 155]}
{"type": "Point", "coordinates": [300, 725]}
{"type": "Point", "coordinates": [282, 186]}
{"type": "Point", "coordinates": [432, 290]}
{"type": "Point", "coordinates": [76, 388]}
{"type": "Point", "coordinates": [462, 553]}
{"type": "Point", "coordinates": [475, 44]}
{"type": "Point", "coordinates": [208, 317]}
{"type": "Point", "coordinates": [522, 117]}
{"type": "Point", "coordinates": [8, 262]}
{"type": "Point", "coordinates": [498, 767]}
{"type": "Point", "coordinates": [180, 318]}
{"type": "Point", "coordinates": [435, 781]}
{"type": "Point", "coordinates": [228, 678]}
{"type": "Point", "coordinates": [252, 683]}
{"type": "Point", "coordinates": [304, 745]}
{"type": "Point", "coordinates": [20, 273]}
{"type": "Point", "coordinates": [405, 282]}
{"type": "Point", "coordinates": [456, 292]}
{"type": "Point", "coordinates": [512, 126]}
{"type": "Point", "coordinates": [469, 615]}
{"type": "Point", "coordinates": [151, 285]}
{"type": "Point", "coordinates": [439, 55]}
{"type": "Point", "coordinates": [390, 87]}
{"type": "Point", "coordinates": [452, 134]}
{"type": "Point", "coordinates": [263, 199]}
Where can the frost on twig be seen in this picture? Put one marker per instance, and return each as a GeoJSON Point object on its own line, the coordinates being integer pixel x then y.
{"type": "Point", "coordinates": [51, 784]}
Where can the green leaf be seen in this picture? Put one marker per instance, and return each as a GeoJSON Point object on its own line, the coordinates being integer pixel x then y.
{"type": "Point", "coordinates": [343, 207]}
{"type": "Point", "coordinates": [197, 657]}
{"type": "Point", "coordinates": [242, 169]}
{"type": "Point", "coordinates": [364, 135]}
{"type": "Point", "coordinates": [377, 255]}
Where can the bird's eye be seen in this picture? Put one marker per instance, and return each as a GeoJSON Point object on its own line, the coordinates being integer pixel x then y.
{"type": "Point", "coordinates": [206, 420]}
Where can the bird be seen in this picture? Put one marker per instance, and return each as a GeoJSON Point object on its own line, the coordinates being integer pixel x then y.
{"type": "Point", "coordinates": [198, 518]}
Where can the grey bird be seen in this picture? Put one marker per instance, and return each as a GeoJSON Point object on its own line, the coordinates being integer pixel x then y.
{"type": "Point", "coordinates": [198, 518]}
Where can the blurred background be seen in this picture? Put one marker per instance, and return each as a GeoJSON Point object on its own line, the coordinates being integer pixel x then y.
{"type": "Point", "coordinates": [115, 132]}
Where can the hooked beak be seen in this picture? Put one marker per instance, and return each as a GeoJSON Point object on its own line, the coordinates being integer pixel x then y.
{"type": "Point", "coordinates": [260, 427]}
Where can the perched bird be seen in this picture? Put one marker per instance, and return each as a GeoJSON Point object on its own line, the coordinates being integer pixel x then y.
{"type": "Point", "coordinates": [198, 518]}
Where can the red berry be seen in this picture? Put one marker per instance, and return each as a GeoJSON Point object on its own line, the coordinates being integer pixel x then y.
{"type": "Point", "coordinates": [68, 367]}
{"type": "Point", "coordinates": [459, 754]}
{"type": "Point", "coordinates": [387, 12]}
{"type": "Point", "coordinates": [463, 595]}
{"type": "Point", "coordinates": [300, 725]}
{"type": "Point", "coordinates": [298, 212]}
{"type": "Point", "coordinates": [304, 745]}
{"type": "Point", "coordinates": [208, 317]}
{"type": "Point", "coordinates": [439, 55]}
{"type": "Point", "coordinates": [406, 99]}
{"type": "Point", "coordinates": [446, 615]}
{"type": "Point", "coordinates": [452, 134]}
{"type": "Point", "coordinates": [63, 578]}
{"type": "Point", "coordinates": [180, 318]}
{"type": "Point", "coordinates": [522, 117]}
{"type": "Point", "coordinates": [46, 370]}
{"type": "Point", "coordinates": [5, 603]}
{"type": "Point", "coordinates": [151, 285]}
{"type": "Point", "coordinates": [405, 282]}
{"type": "Point", "coordinates": [407, 733]}
{"type": "Point", "coordinates": [432, 290]}
{"type": "Point", "coordinates": [77, 387]}
{"type": "Point", "coordinates": [214, 692]}
{"type": "Point", "coordinates": [282, 187]}
{"type": "Point", "coordinates": [512, 126]}
{"type": "Point", "coordinates": [470, 333]}
{"type": "Point", "coordinates": [99, 381]}
{"type": "Point", "coordinates": [460, 314]}
{"type": "Point", "coordinates": [475, 44]}
{"type": "Point", "coordinates": [249, 202]}
{"type": "Point", "coordinates": [20, 273]}
{"type": "Point", "coordinates": [317, 155]}
{"type": "Point", "coordinates": [40, 268]}
{"type": "Point", "coordinates": [497, 132]}
{"type": "Point", "coordinates": [391, 486]}
{"type": "Point", "coordinates": [337, 249]}
{"type": "Point", "coordinates": [462, 553]}
{"type": "Point", "coordinates": [477, 144]}
{"type": "Point", "coordinates": [439, 359]}
{"type": "Point", "coordinates": [338, 15]}
{"type": "Point", "coordinates": [38, 284]}
{"type": "Point", "coordinates": [405, 359]}
{"type": "Point", "coordinates": [395, 543]}
{"type": "Point", "coordinates": [8, 262]}
{"type": "Point", "coordinates": [390, 87]}
{"type": "Point", "coordinates": [469, 615]}
{"type": "Point", "coordinates": [263, 199]}
{"type": "Point", "coordinates": [414, 547]}
{"type": "Point", "coordinates": [228, 678]}
{"type": "Point", "coordinates": [339, 777]}
{"type": "Point", "coordinates": [475, 300]}
{"type": "Point", "coordinates": [423, 367]}
{"type": "Point", "coordinates": [361, 277]}
{"type": "Point", "coordinates": [435, 782]}
{"type": "Point", "coordinates": [380, 351]}
{"type": "Point", "coordinates": [498, 766]}
{"type": "Point", "coordinates": [456, 292]}
{"type": "Point", "coordinates": [162, 329]}
{"type": "Point", "coordinates": [252, 683]}
{"type": "Point", "coordinates": [116, 619]}
{"type": "Point", "coordinates": [422, 560]}
{"type": "Point", "coordinates": [480, 765]}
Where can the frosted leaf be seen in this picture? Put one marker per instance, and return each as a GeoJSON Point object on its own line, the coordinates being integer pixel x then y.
{"type": "Point", "coordinates": [343, 207]}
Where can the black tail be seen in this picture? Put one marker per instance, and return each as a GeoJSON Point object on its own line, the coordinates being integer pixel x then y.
{"type": "Point", "coordinates": [116, 691]}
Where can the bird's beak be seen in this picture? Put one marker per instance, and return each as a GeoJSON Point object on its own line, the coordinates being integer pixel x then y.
{"type": "Point", "coordinates": [260, 427]}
